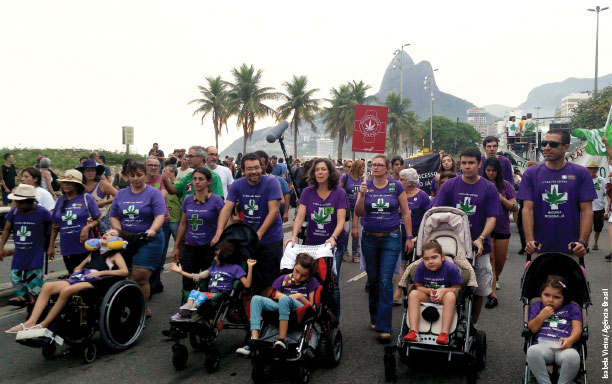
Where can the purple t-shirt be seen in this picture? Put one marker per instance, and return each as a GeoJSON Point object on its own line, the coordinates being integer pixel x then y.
{"type": "Point", "coordinates": [322, 215]}
{"type": "Point", "coordinates": [506, 167]}
{"type": "Point", "coordinates": [71, 216]}
{"type": "Point", "coordinates": [285, 285]}
{"type": "Point", "coordinates": [201, 219]}
{"type": "Point", "coordinates": [351, 187]}
{"type": "Point", "coordinates": [382, 207]}
{"type": "Point", "coordinates": [222, 277]}
{"type": "Point", "coordinates": [253, 201]}
{"type": "Point", "coordinates": [479, 201]}
{"type": "Point", "coordinates": [29, 237]}
{"type": "Point", "coordinates": [559, 324]}
{"type": "Point", "coordinates": [137, 211]}
{"type": "Point", "coordinates": [502, 225]}
{"type": "Point", "coordinates": [418, 204]}
{"type": "Point", "coordinates": [556, 197]}
{"type": "Point", "coordinates": [445, 277]}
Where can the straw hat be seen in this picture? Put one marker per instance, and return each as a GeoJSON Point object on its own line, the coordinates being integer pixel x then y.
{"type": "Point", "coordinates": [23, 192]}
{"type": "Point", "coordinates": [72, 176]}
{"type": "Point", "coordinates": [592, 164]}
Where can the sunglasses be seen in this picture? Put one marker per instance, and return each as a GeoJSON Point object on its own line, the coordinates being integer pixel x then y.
{"type": "Point", "coordinates": [553, 144]}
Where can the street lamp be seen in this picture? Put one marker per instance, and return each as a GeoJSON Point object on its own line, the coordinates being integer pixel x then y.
{"type": "Point", "coordinates": [597, 9]}
{"type": "Point", "coordinates": [429, 85]}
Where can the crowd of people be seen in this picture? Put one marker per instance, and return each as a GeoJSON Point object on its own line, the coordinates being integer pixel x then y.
{"type": "Point", "coordinates": [192, 195]}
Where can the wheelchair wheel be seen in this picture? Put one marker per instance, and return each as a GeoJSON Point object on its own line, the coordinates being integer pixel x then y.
{"type": "Point", "coordinates": [212, 360]}
{"type": "Point", "coordinates": [122, 315]}
{"type": "Point", "coordinates": [471, 365]}
{"type": "Point", "coordinates": [481, 350]}
{"type": "Point", "coordinates": [389, 361]}
{"type": "Point", "coordinates": [332, 348]}
{"type": "Point", "coordinates": [180, 354]}
{"type": "Point", "coordinates": [302, 375]}
{"type": "Point", "coordinates": [48, 351]}
{"type": "Point", "coordinates": [89, 352]}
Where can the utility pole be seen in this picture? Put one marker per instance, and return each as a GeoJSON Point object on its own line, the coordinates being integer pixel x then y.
{"type": "Point", "coordinates": [597, 10]}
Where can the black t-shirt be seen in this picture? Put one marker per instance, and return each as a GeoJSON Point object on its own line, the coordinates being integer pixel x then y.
{"type": "Point", "coordinates": [8, 175]}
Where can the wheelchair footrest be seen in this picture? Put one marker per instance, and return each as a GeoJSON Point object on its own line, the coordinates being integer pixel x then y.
{"type": "Point", "coordinates": [38, 338]}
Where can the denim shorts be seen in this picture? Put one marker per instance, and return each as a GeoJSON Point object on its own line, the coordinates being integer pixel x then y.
{"type": "Point", "coordinates": [148, 255]}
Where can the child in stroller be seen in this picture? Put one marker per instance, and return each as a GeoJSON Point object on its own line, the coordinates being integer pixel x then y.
{"type": "Point", "coordinates": [557, 324]}
{"type": "Point", "coordinates": [222, 276]}
{"type": "Point", "coordinates": [291, 291]}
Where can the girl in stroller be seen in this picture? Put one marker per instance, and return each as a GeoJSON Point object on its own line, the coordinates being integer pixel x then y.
{"type": "Point", "coordinates": [100, 262]}
{"type": "Point", "coordinates": [557, 325]}
{"type": "Point", "coordinates": [290, 292]}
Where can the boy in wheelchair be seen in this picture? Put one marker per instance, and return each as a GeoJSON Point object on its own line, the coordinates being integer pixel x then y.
{"type": "Point", "coordinates": [100, 262]}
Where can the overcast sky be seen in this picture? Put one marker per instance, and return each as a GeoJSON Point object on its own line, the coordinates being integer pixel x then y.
{"type": "Point", "coordinates": [73, 72]}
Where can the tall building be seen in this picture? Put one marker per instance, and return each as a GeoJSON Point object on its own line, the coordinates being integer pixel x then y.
{"type": "Point", "coordinates": [568, 104]}
{"type": "Point", "coordinates": [325, 148]}
{"type": "Point", "coordinates": [477, 117]}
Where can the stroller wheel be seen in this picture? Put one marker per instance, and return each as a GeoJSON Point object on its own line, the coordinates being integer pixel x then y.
{"type": "Point", "coordinates": [89, 352]}
{"type": "Point", "coordinates": [471, 369]}
{"type": "Point", "coordinates": [302, 374]}
{"type": "Point", "coordinates": [48, 351]}
{"type": "Point", "coordinates": [212, 360]}
{"type": "Point", "coordinates": [481, 350]}
{"type": "Point", "coordinates": [389, 361]}
{"type": "Point", "coordinates": [258, 370]}
{"type": "Point", "coordinates": [331, 348]}
{"type": "Point", "coordinates": [180, 354]}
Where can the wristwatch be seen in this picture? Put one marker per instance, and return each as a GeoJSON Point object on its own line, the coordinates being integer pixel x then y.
{"type": "Point", "coordinates": [481, 238]}
{"type": "Point", "coordinates": [585, 244]}
{"type": "Point", "coordinates": [334, 237]}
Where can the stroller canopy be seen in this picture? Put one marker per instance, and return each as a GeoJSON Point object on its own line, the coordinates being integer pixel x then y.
{"type": "Point", "coordinates": [243, 237]}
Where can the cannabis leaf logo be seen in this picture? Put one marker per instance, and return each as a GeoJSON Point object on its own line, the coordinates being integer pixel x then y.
{"type": "Point", "coordinates": [251, 207]}
{"type": "Point", "coordinates": [434, 286]}
{"type": "Point", "coordinates": [554, 198]}
{"type": "Point", "coordinates": [597, 187]}
{"type": "Point", "coordinates": [380, 204]}
{"type": "Point", "coordinates": [69, 217]}
{"type": "Point", "coordinates": [195, 222]}
{"type": "Point", "coordinates": [23, 233]}
{"type": "Point", "coordinates": [214, 281]}
{"type": "Point", "coordinates": [466, 207]}
{"type": "Point", "coordinates": [131, 211]}
{"type": "Point", "coordinates": [321, 218]}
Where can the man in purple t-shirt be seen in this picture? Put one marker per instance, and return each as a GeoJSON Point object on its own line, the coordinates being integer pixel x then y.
{"type": "Point", "coordinates": [258, 197]}
{"type": "Point", "coordinates": [490, 144]}
{"type": "Point", "coordinates": [557, 195]}
{"type": "Point", "coordinates": [479, 199]}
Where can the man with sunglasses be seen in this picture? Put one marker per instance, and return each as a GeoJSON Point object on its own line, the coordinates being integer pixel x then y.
{"type": "Point", "coordinates": [557, 196]}
{"type": "Point", "coordinates": [196, 158]}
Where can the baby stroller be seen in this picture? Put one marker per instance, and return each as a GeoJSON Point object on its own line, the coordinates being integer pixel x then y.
{"type": "Point", "coordinates": [224, 311]}
{"type": "Point", "coordinates": [313, 330]}
{"type": "Point", "coordinates": [115, 308]}
{"type": "Point", "coordinates": [450, 227]}
{"type": "Point", "coordinates": [535, 275]}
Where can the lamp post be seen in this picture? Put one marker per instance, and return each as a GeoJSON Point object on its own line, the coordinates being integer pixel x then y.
{"type": "Point", "coordinates": [428, 85]}
{"type": "Point", "coordinates": [597, 10]}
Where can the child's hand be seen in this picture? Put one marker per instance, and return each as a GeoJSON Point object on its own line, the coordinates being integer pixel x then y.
{"type": "Point", "coordinates": [547, 311]}
{"type": "Point", "coordinates": [434, 296]}
{"type": "Point", "coordinates": [566, 343]}
{"type": "Point", "coordinates": [251, 262]}
{"type": "Point", "coordinates": [296, 296]}
{"type": "Point", "coordinates": [175, 267]}
{"type": "Point", "coordinates": [93, 274]}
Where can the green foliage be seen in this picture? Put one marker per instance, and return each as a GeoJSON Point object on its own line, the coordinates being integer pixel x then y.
{"type": "Point", "coordinates": [445, 132]}
{"type": "Point", "coordinates": [593, 112]}
{"type": "Point", "coordinates": [214, 101]}
{"type": "Point", "coordinates": [402, 123]}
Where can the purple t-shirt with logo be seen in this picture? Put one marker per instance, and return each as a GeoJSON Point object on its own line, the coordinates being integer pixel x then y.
{"type": "Point", "coordinates": [286, 285]}
{"type": "Point", "coordinates": [445, 277]}
{"type": "Point", "coordinates": [382, 207]}
{"type": "Point", "coordinates": [201, 219]}
{"type": "Point", "coordinates": [556, 196]}
{"type": "Point", "coordinates": [559, 324]}
{"type": "Point", "coordinates": [506, 167]}
{"type": "Point", "coordinates": [137, 211]}
{"type": "Point", "coordinates": [351, 187]}
{"type": "Point", "coordinates": [253, 201]}
{"type": "Point", "coordinates": [502, 225]}
{"type": "Point", "coordinates": [418, 204]}
{"type": "Point", "coordinates": [71, 216]}
{"type": "Point", "coordinates": [29, 237]}
{"type": "Point", "coordinates": [479, 201]}
{"type": "Point", "coordinates": [222, 277]}
{"type": "Point", "coordinates": [322, 215]}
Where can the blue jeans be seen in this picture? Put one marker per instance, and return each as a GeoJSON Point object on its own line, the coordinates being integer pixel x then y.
{"type": "Point", "coordinates": [174, 229]}
{"type": "Point", "coordinates": [284, 307]}
{"type": "Point", "coordinates": [155, 279]}
{"type": "Point", "coordinates": [381, 255]}
{"type": "Point", "coordinates": [339, 253]}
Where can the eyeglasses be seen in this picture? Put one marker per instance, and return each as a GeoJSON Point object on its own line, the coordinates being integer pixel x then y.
{"type": "Point", "coordinates": [378, 165]}
{"type": "Point", "coordinates": [190, 156]}
{"type": "Point", "coordinates": [553, 144]}
{"type": "Point", "coordinates": [153, 165]}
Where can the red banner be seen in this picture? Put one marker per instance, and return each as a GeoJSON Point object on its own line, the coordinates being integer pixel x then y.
{"type": "Point", "coordinates": [370, 129]}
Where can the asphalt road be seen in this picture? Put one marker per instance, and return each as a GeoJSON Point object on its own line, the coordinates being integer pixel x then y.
{"type": "Point", "coordinates": [150, 359]}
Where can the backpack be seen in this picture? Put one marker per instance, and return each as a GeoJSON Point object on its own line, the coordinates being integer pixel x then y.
{"type": "Point", "coordinates": [54, 184]}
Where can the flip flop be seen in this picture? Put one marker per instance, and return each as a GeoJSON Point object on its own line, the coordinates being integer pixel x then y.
{"type": "Point", "coordinates": [17, 302]}
{"type": "Point", "coordinates": [356, 259]}
{"type": "Point", "coordinates": [23, 328]}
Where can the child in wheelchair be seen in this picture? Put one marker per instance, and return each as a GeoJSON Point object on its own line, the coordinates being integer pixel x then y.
{"type": "Point", "coordinates": [100, 262]}
{"type": "Point", "coordinates": [222, 276]}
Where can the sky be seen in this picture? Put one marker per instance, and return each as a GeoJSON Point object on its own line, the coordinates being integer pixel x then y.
{"type": "Point", "coordinates": [72, 73]}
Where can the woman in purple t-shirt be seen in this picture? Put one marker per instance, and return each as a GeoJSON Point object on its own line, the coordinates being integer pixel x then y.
{"type": "Point", "coordinates": [101, 190]}
{"type": "Point", "coordinates": [380, 201]}
{"type": "Point", "coordinates": [500, 237]}
{"type": "Point", "coordinates": [350, 182]}
{"type": "Point", "coordinates": [141, 208]}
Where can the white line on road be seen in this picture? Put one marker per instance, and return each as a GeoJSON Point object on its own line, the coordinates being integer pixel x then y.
{"type": "Point", "coordinates": [359, 276]}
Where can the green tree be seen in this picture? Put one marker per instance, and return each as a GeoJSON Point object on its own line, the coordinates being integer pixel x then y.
{"type": "Point", "coordinates": [299, 103]}
{"type": "Point", "coordinates": [593, 112]}
{"type": "Point", "coordinates": [213, 101]}
{"type": "Point", "coordinates": [246, 99]}
{"type": "Point", "coordinates": [401, 122]}
{"type": "Point", "coordinates": [446, 131]}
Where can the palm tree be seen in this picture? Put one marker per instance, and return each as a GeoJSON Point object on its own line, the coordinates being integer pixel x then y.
{"type": "Point", "coordinates": [214, 100]}
{"type": "Point", "coordinates": [401, 120]}
{"type": "Point", "coordinates": [299, 102]}
{"type": "Point", "coordinates": [246, 99]}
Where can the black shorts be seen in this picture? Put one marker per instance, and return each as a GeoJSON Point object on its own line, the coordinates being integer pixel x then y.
{"type": "Point", "coordinates": [268, 258]}
{"type": "Point", "coordinates": [598, 220]}
{"type": "Point", "coordinates": [500, 236]}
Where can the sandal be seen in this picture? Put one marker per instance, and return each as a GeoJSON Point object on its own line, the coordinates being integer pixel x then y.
{"type": "Point", "coordinates": [19, 327]}
{"type": "Point", "coordinates": [18, 302]}
{"type": "Point", "coordinates": [355, 259]}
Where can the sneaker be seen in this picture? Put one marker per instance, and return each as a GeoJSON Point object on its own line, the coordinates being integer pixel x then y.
{"type": "Point", "coordinates": [186, 309]}
{"type": "Point", "coordinates": [176, 317]}
{"type": "Point", "coordinates": [607, 257]}
{"type": "Point", "coordinates": [411, 336]}
{"type": "Point", "coordinates": [442, 339]}
{"type": "Point", "coordinates": [595, 247]}
{"type": "Point", "coordinates": [280, 344]}
{"type": "Point", "coordinates": [247, 350]}
{"type": "Point", "coordinates": [497, 286]}
{"type": "Point", "coordinates": [491, 302]}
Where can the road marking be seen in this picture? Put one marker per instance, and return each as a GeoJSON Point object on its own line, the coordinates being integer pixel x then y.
{"type": "Point", "coordinates": [359, 276]}
{"type": "Point", "coordinates": [18, 312]}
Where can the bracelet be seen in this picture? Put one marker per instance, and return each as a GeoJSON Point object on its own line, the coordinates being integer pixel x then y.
{"type": "Point", "coordinates": [481, 238]}
{"type": "Point", "coordinates": [334, 237]}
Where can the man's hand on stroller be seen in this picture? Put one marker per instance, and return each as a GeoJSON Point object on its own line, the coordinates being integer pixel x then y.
{"type": "Point", "coordinates": [532, 247]}
{"type": "Point", "coordinates": [578, 248]}
{"type": "Point", "coordinates": [150, 232]}
{"type": "Point", "coordinates": [479, 246]}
